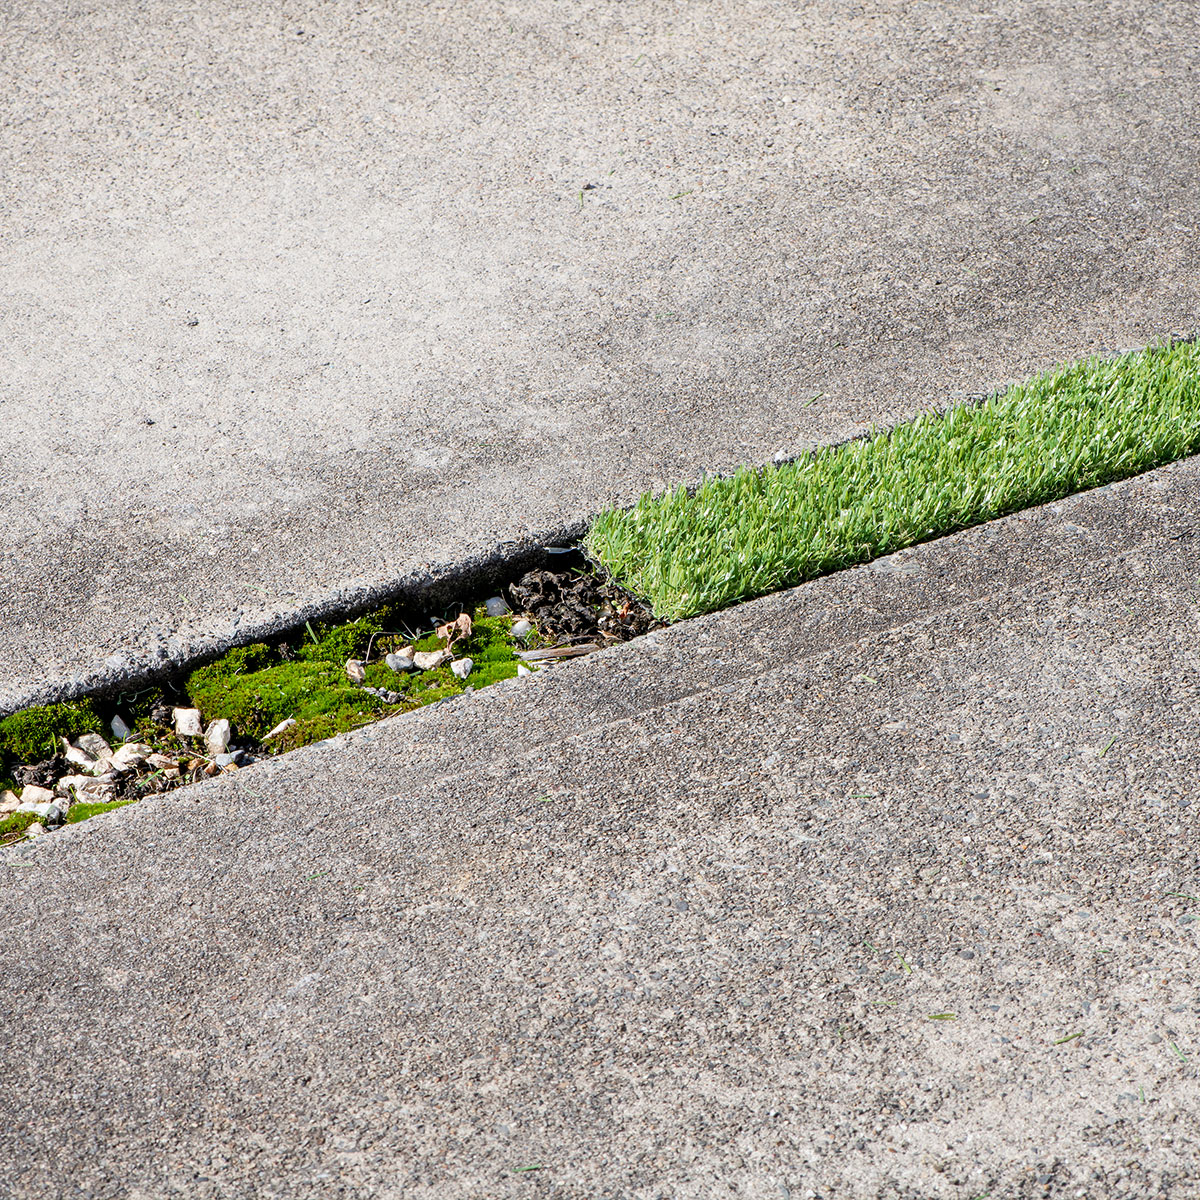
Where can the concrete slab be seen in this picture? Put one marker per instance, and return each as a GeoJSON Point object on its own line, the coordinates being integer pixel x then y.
{"type": "Point", "coordinates": [303, 300]}
{"type": "Point", "coordinates": [883, 886]}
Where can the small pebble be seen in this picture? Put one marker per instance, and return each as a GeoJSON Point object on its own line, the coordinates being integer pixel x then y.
{"type": "Point", "coordinates": [400, 663]}
{"type": "Point", "coordinates": [35, 830]}
{"type": "Point", "coordinates": [48, 812]}
{"type": "Point", "coordinates": [496, 606]}
{"type": "Point", "coordinates": [429, 660]}
{"type": "Point", "coordinates": [522, 629]}
{"type": "Point", "coordinates": [522, 669]}
{"type": "Point", "coordinates": [129, 756]}
{"type": "Point", "coordinates": [462, 667]}
{"type": "Point", "coordinates": [286, 723]}
{"type": "Point", "coordinates": [32, 796]}
{"type": "Point", "coordinates": [227, 760]}
{"type": "Point", "coordinates": [187, 722]}
{"type": "Point", "coordinates": [8, 802]}
{"type": "Point", "coordinates": [93, 744]}
{"type": "Point", "coordinates": [121, 731]}
{"type": "Point", "coordinates": [78, 756]}
{"type": "Point", "coordinates": [217, 736]}
{"type": "Point", "coordinates": [354, 670]}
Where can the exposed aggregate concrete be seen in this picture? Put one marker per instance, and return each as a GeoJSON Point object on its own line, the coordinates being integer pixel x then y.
{"type": "Point", "coordinates": [688, 945]}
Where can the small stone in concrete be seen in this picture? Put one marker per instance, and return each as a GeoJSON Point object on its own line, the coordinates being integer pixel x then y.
{"type": "Point", "coordinates": [187, 722]}
{"type": "Point", "coordinates": [462, 667]}
{"type": "Point", "coordinates": [217, 736]}
{"type": "Point", "coordinates": [32, 796]}
{"type": "Point", "coordinates": [121, 731]}
{"type": "Point", "coordinates": [429, 660]}
{"type": "Point", "coordinates": [400, 663]}
{"type": "Point", "coordinates": [496, 606]}
{"type": "Point", "coordinates": [522, 629]}
{"type": "Point", "coordinates": [355, 671]}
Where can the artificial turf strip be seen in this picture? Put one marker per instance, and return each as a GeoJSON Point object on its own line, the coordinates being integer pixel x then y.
{"type": "Point", "coordinates": [1074, 428]}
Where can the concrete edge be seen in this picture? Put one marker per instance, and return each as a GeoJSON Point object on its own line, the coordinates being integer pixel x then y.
{"type": "Point", "coordinates": [438, 585]}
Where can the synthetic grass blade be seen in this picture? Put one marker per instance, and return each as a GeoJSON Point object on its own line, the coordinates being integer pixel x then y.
{"type": "Point", "coordinates": [1078, 427]}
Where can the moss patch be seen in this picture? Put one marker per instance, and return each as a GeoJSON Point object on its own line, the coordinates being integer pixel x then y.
{"type": "Point", "coordinates": [12, 827]}
{"type": "Point", "coordinates": [32, 734]}
{"type": "Point", "coordinates": [256, 687]}
{"type": "Point", "coordinates": [81, 812]}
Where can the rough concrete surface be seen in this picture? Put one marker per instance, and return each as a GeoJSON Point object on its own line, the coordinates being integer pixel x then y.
{"type": "Point", "coordinates": [398, 283]}
{"type": "Point", "coordinates": [882, 887]}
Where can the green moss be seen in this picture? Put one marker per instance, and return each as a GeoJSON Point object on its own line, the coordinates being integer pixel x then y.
{"type": "Point", "coordinates": [81, 812]}
{"type": "Point", "coordinates": [13, 827]}
{"type": "Point", "coordinates": [32, 734]}
{"type": "Point", "coordinates": [317, 694]}
{"type": "Point", "coordinates": [338, 643]}
{"type": "Point", "coordinates": [255, 689]}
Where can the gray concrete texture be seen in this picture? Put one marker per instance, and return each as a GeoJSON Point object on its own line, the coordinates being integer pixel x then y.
{"type": "Point", "coordinates": [674, 920]}
{"type": "Point", "coordinates": [397, 284]}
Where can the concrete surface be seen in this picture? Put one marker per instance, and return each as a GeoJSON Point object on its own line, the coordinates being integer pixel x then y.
{"type": "Point", "coordinates": [672, 921]}
{"type": "Point", "coordinates": [399, 283]}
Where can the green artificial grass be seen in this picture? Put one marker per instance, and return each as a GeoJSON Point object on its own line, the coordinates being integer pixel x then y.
{"type": "Point", "coordinates": [1074, 428]}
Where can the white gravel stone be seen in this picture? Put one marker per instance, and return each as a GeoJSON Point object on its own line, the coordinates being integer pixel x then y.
{"type": "Point", "coordinates": [401, 663]}
{"type": "Point", "coordinates": [32, 796]}
{"type": "Point", "coordinates": [121, 731]}
{"type": "Point", "coordinates": [522, 629]}
{"type": "Point", "coordinates": [462, 667]}
{"type": "Point", "coordinates": [286, 723]}
{"type": "Point", "coordinates": [429, 660]}
{"type": "Point", "coordinates": [496, 606]}
{"type": "Point", "coordinates": [78, 756]}
{"type": "Point", "coordinates": [35, 830]}
{"type": "Point", "coordinates": [8, 802]}
{"type": "Point", "coordinates": [48, 812]}
{"type": "Point", "coordinates": [354, 670]}
{"type": "Point", "coordinates": [72, 783]}
{"type": "Point", "coordinates": [94, 744]}
{"type": "Point", "coordinates": [162, 762]}
{"type": "Point", "coordinates": [129, 756]}
{"type": "Point", "coordinates": [187, 722]}
{"type": "Point", "coordinates": [522, 669]}
{"type": "Point", "coordinates": [217, 736]}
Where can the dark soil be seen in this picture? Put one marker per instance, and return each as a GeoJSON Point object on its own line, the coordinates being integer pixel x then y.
{"type": "Point", "coordinates": [577, 605]}
{"type": "Point", "coordinates": [42, 774]}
